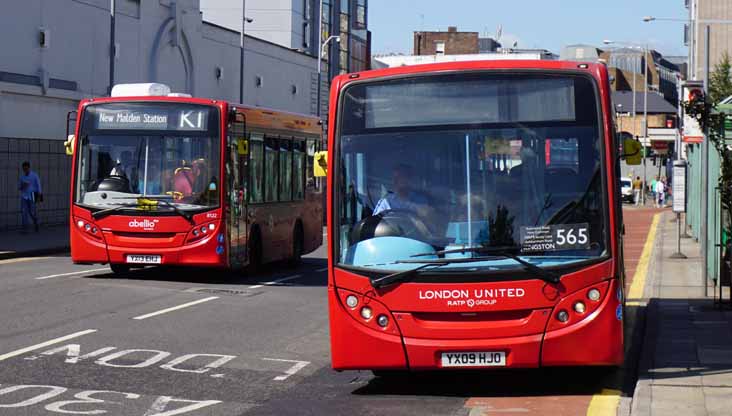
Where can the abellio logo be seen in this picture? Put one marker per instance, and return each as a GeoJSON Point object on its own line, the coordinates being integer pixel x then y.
{"type": "Point", "coordinates": [146, 224]}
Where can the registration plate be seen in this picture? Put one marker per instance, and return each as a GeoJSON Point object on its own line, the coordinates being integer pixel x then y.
{"type": "Point", "coordinates": [474, 359]}
{"type": "Point", "coordinates": [144, 259]}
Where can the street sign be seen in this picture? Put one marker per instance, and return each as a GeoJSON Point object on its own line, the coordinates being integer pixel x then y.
{"type": "Point", "coordinates": [679, 186]}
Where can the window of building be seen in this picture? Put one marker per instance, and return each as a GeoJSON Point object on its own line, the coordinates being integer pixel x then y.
{"type": "Point", "coordinates": [440, 47]}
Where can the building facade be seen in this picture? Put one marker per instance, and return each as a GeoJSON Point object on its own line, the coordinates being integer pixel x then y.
{"type": "Point", "coordinates": [56, 52]}
{"type": "Point", "coordinates": [701, 12]}
{"type": "Point", "coordinates": [293, 24]}
{"type": "Point", "coordinates": [451, 42]}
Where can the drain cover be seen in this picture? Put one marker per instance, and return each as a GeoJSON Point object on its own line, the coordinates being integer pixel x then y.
{"type": "Point", "coordinates": [231, 292]}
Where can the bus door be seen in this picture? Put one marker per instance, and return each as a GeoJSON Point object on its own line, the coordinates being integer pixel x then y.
{"type": "Point", "coordinates": [237, 195]}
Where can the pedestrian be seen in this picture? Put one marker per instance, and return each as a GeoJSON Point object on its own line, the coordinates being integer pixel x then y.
{"type": "Point", "coordinates": [30, 194]}
{"type": "Point", "coordinates": [653, 189]}
{"type": "Point", "coordinates": [637, 187]}
{"type": "Point", "coordinates": [660, 190]}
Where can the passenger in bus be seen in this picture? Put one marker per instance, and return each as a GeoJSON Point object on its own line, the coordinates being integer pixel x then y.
{"type": "Point", "coordinates": [183, 180]}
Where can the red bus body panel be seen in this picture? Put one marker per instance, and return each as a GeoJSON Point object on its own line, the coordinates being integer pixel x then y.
{"type": "Point", "coordinates": [520, 315]}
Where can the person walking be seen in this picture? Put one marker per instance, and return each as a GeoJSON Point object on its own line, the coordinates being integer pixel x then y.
{"type": "Point", "coordinates": [30, 193]}
{"type": "Point", "coordinates": [637, 187]}
{"type": "Point", "coordinates": [660, 190]}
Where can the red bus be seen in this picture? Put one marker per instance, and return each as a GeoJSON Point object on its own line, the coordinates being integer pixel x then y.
{"type": "Point", "coordinates": [473, 219]}
{"type": "Point", "coordinates": [162, 178]}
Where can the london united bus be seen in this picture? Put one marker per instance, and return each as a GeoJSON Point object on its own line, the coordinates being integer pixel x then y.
{"type": "Point", "coordinates": [472, 218]}
{"type": "Point", "coordinates": [166, 179]}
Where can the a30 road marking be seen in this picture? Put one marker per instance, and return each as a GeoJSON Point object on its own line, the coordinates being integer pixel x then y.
{"type": "Point", "coordinates": [604, 404]}
{"type": "Point", "coordinates": [274, 282]}
{"type": "Point", "coordinates": [71, 274]}
{"type": "Point", "coordinates": [175, 308]}
{"type": "Point", "coordinates": [45, 344]}
{"type": "Point", "coordinates": [299, 365]}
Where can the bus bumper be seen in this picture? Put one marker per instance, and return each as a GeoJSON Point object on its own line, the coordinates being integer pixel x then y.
{"type": "Point", "coordinates": [595, 340]}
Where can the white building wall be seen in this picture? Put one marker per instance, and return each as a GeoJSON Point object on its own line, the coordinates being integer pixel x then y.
{"type": "Point", "coordinates": [158, 41]}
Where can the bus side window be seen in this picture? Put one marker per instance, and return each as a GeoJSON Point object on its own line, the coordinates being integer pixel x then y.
{"type": "Point", "coordinates": [285, 170]}
{"type": "Point", "coordinates": [311, 148]}
{"type": "Point", "coordinates": [298, 170]}
{"type": "Point", "coordinates": [256, 168]}
{"type": "Point", "coordinates": [271, 169]}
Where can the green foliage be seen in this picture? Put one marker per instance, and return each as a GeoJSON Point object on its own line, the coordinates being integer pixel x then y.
{"type": "Point", "coordinates": [720, 82]}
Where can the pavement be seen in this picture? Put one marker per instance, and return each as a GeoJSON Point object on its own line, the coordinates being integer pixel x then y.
{"type": "Point", "coordinates": [48, 240]}
{"type": "Point", "coordinates": [686, 361]}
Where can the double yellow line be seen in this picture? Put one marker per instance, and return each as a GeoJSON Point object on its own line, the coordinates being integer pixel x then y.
{"type": "Point", "coordinates": [606, 402]}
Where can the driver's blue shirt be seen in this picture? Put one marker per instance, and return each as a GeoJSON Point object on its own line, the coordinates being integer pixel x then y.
{"type": "Point", "coordinates": [393, 201]}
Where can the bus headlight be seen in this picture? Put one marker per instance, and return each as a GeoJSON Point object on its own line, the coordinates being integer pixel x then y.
{"type": "Point", "coordinates": [366, 313]}
{"type": "Point", "coordinates": [593, 295]}
{"type": "Point", "coordinates": [562, 316]}
{"type": "Point", "coordinates": [579, 307]}
{"type": "Point", "coordinates": [351, 301]}
{"type": "Point", "coordinates": [382, 320]}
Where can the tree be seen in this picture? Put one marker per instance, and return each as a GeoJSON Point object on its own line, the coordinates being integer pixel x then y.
{"type": "Point", "coordinates": [720, 82]}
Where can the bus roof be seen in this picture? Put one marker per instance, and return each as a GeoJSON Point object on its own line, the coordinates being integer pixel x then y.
{"type": "Point", "coordinates": [595, 68]}
{"type": "Point", "coordinates": [256, 116]}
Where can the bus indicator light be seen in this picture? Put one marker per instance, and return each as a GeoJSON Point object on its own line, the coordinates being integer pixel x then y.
{"type": "Point", "coordinates": [593, 295]}
{"type": "Point", "coordinates": [579, 307]}
{"type": "Point", "coordinates": [382, 320]}
{"type": "Point", "coordinates": [366, 313]}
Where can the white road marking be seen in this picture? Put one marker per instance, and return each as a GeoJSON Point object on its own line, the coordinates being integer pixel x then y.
{"type": "Point", "coordinates": [322, 270]}
{"type": "Point", "coordinates": [45, 344]}
{"type": "Point", "coordinates": [70, 274]}
{"type": "Point", "coordinates": [175, 308]}
{"type": "Point", "coordinates": [299, 365]}
{"type": "Point", "coordinates": [274, 282]}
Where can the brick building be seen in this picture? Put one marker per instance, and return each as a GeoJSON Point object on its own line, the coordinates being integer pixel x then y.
{"type": "Point", "coordinates": [451, 42]}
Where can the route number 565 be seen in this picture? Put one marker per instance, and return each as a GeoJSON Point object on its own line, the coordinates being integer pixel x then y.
{"type": "Point", "coordinates": [568, 237]}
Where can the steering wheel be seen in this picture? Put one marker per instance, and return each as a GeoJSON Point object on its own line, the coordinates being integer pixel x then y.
{"type": "Point", "coordinates": [403, 222]}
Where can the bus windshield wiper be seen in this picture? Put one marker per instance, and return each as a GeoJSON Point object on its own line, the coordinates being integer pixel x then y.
{"type": "Point", "coordinates": [165, 202]}
{"type": "Point", "coordinates": [109, 211]}
{"type": "Point", "coordinates": [502, 251]}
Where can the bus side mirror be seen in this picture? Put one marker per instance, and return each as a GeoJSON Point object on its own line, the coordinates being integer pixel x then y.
{"type": "Point", "coordinates": [632, 151]}
{"type": "Point", "coordinates": [69, 144]}
{"type": "Point", "coordinates": [320, 167]}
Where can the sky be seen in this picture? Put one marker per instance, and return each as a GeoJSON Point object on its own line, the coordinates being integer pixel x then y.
{"type": "Point", "coordinates": [544, 24]}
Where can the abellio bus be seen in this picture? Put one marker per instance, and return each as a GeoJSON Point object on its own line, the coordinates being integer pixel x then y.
{"type": "Point", "coordinates": [162, 178]}
{"type": "Point", "coordinates": [473, 219]}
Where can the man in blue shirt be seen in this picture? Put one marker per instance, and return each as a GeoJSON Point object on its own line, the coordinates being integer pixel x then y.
{"type": "Point", "coordinates": [30, 193]}
{"type": "Point", "coordinates": [403, 197]}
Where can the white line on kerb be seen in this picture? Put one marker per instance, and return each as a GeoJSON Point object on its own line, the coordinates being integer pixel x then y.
{"type": "Point", "coordinates": [70, 274]}
{"type": "Point", "coordinates": [274, 282]}
{"type": "Point", "coordinates": [175, 308]}
{"type": "Point", "coordinates": [45, 344]}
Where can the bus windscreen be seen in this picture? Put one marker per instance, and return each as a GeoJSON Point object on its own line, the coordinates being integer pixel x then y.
{"type": "Point", "coordinates": [433, 164]}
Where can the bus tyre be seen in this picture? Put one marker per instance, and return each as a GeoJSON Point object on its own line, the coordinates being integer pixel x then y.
{"type": "Point", "coordinates": [119, 269]}
{"type": "Point", "coordinates": [297, 246]}
{"type": "Point", "coordinates": [255, 252]}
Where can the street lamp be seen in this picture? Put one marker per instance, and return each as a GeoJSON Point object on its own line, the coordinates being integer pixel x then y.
{"type": "Point", "coordinates": [645, 103]}
{"type": "Point", "coordinates": [244, 21]}
{"type": "Point", "coordinates": [321, 52]}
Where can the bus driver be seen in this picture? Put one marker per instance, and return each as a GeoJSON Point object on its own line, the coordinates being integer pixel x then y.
{"type": "Point", "coordinates": [403, 196]}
